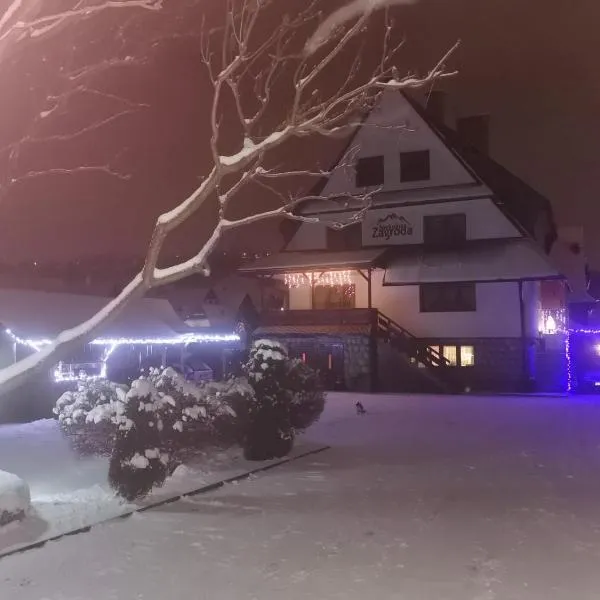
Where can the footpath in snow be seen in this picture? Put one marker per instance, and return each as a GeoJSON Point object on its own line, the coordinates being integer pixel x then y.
{"type": "Point", "coordinates": [456, 498]}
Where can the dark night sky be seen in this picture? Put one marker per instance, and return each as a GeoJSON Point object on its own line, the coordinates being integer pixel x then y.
{"type": "Point", "coordinates": [534, 68]}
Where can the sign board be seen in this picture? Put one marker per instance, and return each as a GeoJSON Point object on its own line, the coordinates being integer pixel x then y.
{"type": "Point", "coordinates": [391, 227]}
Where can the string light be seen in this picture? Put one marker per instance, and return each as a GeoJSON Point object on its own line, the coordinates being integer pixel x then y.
{"type": "Point", "coordinates": [111, 344]}
{"type": "Point", "coordinates": [571, 365]}
{"type": "Point", "coordinates": [187, 338]}
{"type": "Point", "coordinates": [552, 321]}
{"type": "Point", "coordinates": [326, 279]}
{"type": "Point", "coordinates": [61, 377]}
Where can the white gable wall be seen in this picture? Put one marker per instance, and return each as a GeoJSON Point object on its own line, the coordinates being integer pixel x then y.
{"type": "Point", "coordinates": [391, 128]}
{"type": "Point", "coordinates": [484, 221]}
{"type": "Point", "coordinates": [497, 315]}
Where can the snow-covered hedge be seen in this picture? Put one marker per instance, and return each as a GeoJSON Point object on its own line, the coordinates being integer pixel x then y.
{"type": "Point", "coordinates": [14, 498]}
{"type": "Point", "coordinates": [164, 419]}
{"type": "Point", "coordinates": [97, 395]}
{"type": "Point", "coordinates": [86, 415]}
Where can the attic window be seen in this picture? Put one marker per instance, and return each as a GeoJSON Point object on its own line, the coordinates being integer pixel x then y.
{"type": "Point", "coordinates": [415, 166]}
{"type": "Point", "coordinates": [369, 171]}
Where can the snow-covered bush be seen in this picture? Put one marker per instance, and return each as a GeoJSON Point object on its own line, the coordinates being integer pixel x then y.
{"type": "Point", "coordinates": [86, 415]}
{"type": "Point", "coordinates": [139, 461]}
{"type": "Point", "coordinates": [14, 498]}
{"type": "Point", "coordinates": [269, 433]}
{"type": "Point", "coordinates": [186, 400]}
{"type": "Point", "coordinates": [73, 407]}
{"type": "Point", "coordinates": [308, 395]}
{"type": "Point", "coordinates": [228, 403]}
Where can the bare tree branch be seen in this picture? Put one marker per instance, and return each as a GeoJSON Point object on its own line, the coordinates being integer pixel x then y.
{"type": "Point", "coordinates": [233, 70]}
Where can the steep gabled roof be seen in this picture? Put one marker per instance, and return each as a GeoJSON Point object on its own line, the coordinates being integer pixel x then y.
{"type": "Point", "coordinates": [527, 209]}
{"type": "Point", "coordinates": [522, 204]}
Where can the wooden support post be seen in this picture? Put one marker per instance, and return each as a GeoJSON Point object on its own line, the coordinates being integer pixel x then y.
{"type": "Point", "coordinates": [370, 288]}
{"type": "Point", "coordinates": [373, 358]}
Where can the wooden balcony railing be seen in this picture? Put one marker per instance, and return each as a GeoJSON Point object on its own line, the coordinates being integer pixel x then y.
{"type": "Point", "coordinates": [342, 316]}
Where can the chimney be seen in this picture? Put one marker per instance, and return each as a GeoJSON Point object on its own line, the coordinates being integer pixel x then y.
{"type": "Point", "coordinates": [436, 106]}
{"type": "Point", "coordinates": [475, 132]}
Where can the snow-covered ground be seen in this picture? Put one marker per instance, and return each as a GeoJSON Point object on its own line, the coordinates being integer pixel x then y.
{"type": "Point", "coordinates": [69, 491]}
{"type": "Point", "coordinates": [456, 498]}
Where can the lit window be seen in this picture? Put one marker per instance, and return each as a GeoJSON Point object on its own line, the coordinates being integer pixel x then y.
{"type": "Point", "coordinates": [450, 355]}
{"type": "Point", "coordinates": [467, 356]}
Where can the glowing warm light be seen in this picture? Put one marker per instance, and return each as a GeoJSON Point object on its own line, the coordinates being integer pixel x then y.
{"type": "Point", "coordinates": [552, 321]}
{"type": "Point", "coordinates": [327, 279]}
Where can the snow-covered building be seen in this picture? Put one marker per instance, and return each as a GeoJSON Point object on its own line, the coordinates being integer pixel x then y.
{"type": "Point", "coordinates": [438, 286]}
{"type": "Point", "coordinates": [148, 332]}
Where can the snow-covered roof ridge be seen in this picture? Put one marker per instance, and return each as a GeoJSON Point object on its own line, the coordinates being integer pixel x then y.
{"type": "Point", "coordinates": [33, 313]}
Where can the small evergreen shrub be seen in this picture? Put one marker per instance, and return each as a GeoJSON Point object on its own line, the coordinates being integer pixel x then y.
{"type": "Point", "coordinates": [85, 415]}
{"type": "Point", "coordinates": [139, 462]}
{"type": "Point", "coordinates": [269, 433]}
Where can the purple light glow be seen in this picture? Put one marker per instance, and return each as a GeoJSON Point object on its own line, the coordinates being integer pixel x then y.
{"type": "Point", "coordinates": [569, 356]}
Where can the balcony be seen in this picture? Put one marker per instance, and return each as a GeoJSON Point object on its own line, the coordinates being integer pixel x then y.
{"type": "Point", "coordinates": [311, 322]}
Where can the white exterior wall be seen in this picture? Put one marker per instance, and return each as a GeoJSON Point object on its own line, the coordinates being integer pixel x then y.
{"type": "Point", "coordinates": [484, 222]}
{"type": "Point", "coordinates": [391, 128]}
{"type": "Point", "coordinates": [497, 315]}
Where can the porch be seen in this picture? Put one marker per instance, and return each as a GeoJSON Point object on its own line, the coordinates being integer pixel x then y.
{"type": "Point", "coordinates": [359, 349]}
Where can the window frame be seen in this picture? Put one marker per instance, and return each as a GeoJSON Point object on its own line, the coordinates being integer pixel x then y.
{"type": "Point", "coordinates": [468, 291]}
{"type": "Point", "coordinates": [458, 355]}
{"type": "Point", "coordinates": [366, 160]}
{"type": "Point", "coordinates": [441, 241]}
{"type": "Point", "coordinates": [407, 167]}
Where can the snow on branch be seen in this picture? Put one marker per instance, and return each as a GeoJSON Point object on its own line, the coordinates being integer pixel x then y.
{"type": "Point", "coordinates": [250, 61]}
{"type": "Point", "coordinates": [21, 23]}
{"type": "Point", "coordinates": [17, 20]}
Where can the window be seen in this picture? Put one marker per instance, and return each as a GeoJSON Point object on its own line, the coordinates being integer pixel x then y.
{"type": "Point", "coordinates": [369, 171]}
{"type": "Point", "coordinates": [467, 356]}
{"type": "Point", "coordinates": [415, 166]}
{"type": "Point", "coordinates": [447, 297]}
{"type": "Point", "coordinates": [334, 296]}
{"type": "Point", "coordinates": [449, 353]}
{"type": "Point", "coordinates": [445, 230]}
{"type": "Point", "coordinates": [457, 356]}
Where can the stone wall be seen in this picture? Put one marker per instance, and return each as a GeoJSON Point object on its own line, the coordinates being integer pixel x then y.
{"type": "Point", "coordinates": [357, 363]}
{"type": "Point", "coordinates": [355, 355]}
{"type": "Point", "coordinates": [498, 364]}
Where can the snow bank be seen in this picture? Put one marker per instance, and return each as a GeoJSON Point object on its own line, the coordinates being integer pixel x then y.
{"type": "Point", "coordinates": [15, 498]}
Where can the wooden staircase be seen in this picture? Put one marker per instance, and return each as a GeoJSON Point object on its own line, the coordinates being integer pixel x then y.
{"type": "Point", "coordinates": [414, 364]}
{"type": "Point", "coordinates": [426, 363]}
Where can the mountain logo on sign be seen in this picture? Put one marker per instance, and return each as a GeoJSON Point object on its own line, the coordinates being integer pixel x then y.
{"type": "Point", "coordinates": [392, 225]}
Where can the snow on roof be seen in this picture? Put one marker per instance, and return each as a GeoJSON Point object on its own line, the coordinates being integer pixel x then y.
{"type": "Point", "coordinates": [501, 260]}
{"type": "Point", "coordinates": [37, 314]}
{"type": "Point", "coordinates": [288, 262]}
